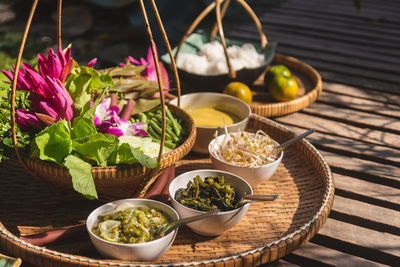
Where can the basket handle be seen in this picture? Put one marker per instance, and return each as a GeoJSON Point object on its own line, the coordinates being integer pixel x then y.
{"type": "Point", "coordinates": [14, 81]}
{"type": "Point", "coordinates": [218, 27]}
{"type": "Point", "coordinates": [263, 37]}
{"type": "Point", "coordinates": [155, 58]}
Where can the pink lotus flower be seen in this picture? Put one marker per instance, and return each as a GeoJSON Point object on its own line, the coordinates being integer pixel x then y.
{"type": "Point", "coordinates": [150, 72]}
{"type": "Point", "coordinates": [56, 66]}
{"type": "Point", "coordinates": [50, 101]}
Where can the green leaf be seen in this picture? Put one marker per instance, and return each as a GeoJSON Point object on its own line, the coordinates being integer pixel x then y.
{"type": "Point", "coordinates": [143, 105]}
{"type": "Point", "coordinates": [82, 179]}
{"type": "Point", "coordinates": [129, 155]}
{"type": "Point", "coordinates": [97, 147]}
{"type": "Point", "coordinates": [54, 142]}
{"type": "Point", "coordinates": [79, 89]}
{"type": "Point", "coordinates": [83, 81]}
{"type": "Point", "coordinates": [125, 155]}
{"type": "Point", "coordinates": [144, 160]}
{"type": "Point", "coordinates": [82, 127]}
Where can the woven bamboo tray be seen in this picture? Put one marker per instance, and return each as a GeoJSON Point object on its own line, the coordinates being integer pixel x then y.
{"type": "Point", "coordinates": [308, 80]}
{"type": "Point", "coordinates": [267, 232]}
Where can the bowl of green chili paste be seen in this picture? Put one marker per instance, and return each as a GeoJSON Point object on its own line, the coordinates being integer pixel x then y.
{"type": "Point", "coordinates": [200, 191]}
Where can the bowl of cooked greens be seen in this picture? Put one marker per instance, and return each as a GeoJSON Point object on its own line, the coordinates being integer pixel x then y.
{"type": "Point", "coordinates": [212, 112]}
{"type": "Point", "coordinates": [201, 191]}
{"type": "Point", "coordinates": [252, 156]}
{"type": "Point", "coordinates": [128, 229]}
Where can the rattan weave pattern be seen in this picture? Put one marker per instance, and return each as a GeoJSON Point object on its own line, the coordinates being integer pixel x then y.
{"type": "Point", "coordinates": [267, 232]}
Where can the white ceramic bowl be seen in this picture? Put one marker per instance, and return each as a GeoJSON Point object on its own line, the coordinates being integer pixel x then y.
{"type": "Point", "coordinates": [216, 224]}
{"type": "Point", "coordinates": [253, 175]}
{"type": "Point", "coordinates": [222, 101]}
{"type": "Point", "coordinates": [147, 251]}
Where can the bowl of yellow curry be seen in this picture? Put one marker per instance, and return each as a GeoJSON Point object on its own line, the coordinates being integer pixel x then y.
{"type": "Point", "coordinates": [212, 112]}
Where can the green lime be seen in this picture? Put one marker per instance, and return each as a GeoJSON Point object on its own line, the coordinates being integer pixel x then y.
{"type": "Point", "coordinates": [280, 83]}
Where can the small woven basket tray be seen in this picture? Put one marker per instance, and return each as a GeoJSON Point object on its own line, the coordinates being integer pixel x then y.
{"type": "Point", "coordinates": [309, 83]}
{"type": "Point", "coordinates": [268, 231]}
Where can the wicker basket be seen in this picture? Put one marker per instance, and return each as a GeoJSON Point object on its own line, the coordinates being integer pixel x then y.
{"type": "Point", "coordinates": [113, 181]}
{"type": "Point", "coordinates": [117, 181]}
{"type": "Point", "coordinates": [266, 233]}
{"type": "Point", "coordinates": [310, 88]}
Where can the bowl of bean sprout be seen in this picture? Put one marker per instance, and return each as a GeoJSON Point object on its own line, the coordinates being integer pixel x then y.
{"type": "Point", "coordinates": [251, 156]}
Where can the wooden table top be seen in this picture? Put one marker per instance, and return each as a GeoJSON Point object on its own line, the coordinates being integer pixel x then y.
{"type": "Point", "coordinates": [357, 118]}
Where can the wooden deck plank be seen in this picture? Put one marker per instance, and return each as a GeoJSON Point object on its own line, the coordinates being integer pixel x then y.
{"type": "Point", "coordinates": [385, 100]}
{"type": "Point", "coordinates": [385, 196]}
{"type": "Point", "coordinates": [350, 103]}
{"type": "Point", "coordinates": [301, 22]}
{"type": "Point", "coordinates": [329, 125]}
{"type": "Point", "coordinates": [365, 118]}
{"type": "Point", "coordinates": [346, 8]}
{"type": "Point", "coordinates": [380, 241]}
{"type": "Point", "coordinates": [343, 145]}
{"type": "Point", "coordinates": [331, 256]}
{"type": "Point", "coordinates": [332, 19]}
{"type": "Point", "coordinates": [311, 43]}
{"type": "Point", "coordinates": [338, 63]}
{"type": "Point", "coordinates": [368, 215]}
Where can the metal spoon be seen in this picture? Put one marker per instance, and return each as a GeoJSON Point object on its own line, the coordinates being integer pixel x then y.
{"type": "Point", "coordinates": [255, 198]}
{"type": "Point", "coordinates": [281, 147]}
{"type": "Point", "coordinates": [169, 227]}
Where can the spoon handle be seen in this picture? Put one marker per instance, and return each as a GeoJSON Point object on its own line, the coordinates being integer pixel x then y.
{"type": "Point", "coordinates": [294, 140]}
{"type": "Point", "coordinates": [175, 224]}
{"type": "Point", "coordinates": [260, 197]}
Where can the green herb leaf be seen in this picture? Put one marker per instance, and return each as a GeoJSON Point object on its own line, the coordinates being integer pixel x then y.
{"type": "Point", "coordinates": [82, 127]}
{"type": "Point", "coordinates": [97, 147]}
{"type": "Point", "coordinates": [143, 105]}
{"type": "Point", "coordinates": [83, 81]}
{"type": "Point", "coordinates": [54, 142]}
{"type": "Point", "coordinates": [144, 159]}
{"type": "Point", "coordinates": [129, 155]}
{"type": "Point", "coordinates": [82, 179]}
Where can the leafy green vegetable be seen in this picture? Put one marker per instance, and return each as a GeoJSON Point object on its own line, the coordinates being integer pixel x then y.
{"type": "Point", "coordinates": [82, 127]}
{"type": "Point", "coordinates": [54, 142]}
{"type": "Point", "coordinates": [81, 173]}
{"type": "Point", "coordinates": [97, 147]}
{"type": "Point", "coordinates": [83, 81]}
{"type": "Point", "coordinates": [208, 195]}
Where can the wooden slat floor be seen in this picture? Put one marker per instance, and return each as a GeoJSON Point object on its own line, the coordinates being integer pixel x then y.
{"type": "Point", "coordinates": [357, 119]}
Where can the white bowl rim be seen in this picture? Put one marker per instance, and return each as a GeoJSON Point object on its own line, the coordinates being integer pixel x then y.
{"type": "Point", "coordinates": [131, 244]}
{"type": "Point", "coordinates": [224, 95]}
{"type": "Point", "coordinates": [220, 213]}
{"type": "Point", "coordinates": [212, 153]}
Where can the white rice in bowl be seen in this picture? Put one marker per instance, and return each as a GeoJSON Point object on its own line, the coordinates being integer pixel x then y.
{"type": "Point", "coordinates": [210, 60]}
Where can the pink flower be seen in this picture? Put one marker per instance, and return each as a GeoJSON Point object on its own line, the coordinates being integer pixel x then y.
{"type": "Point", "coordinates": [48, 95]}
{"type": "Point", "coordinates": [106, 120]}
{"type": "Point", "coordinates": [56, 66]}
{"type": "Point", "coordinates": [105, 113]}
{"type": "Point", "coordinates": [27, 120]}
{"type": "Point", "coordinates": [124, 128]}
{"type": "Point", "coordinates": [150, 72]}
